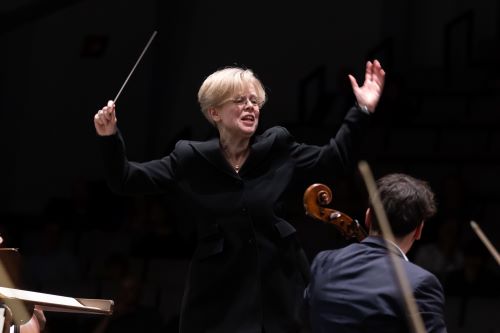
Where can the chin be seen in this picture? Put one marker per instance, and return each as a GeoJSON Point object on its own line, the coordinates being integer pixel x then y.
{"type": "Point", "coordinates": [248, 134]}
{"type": "Point", "coordinates": [249, 130]}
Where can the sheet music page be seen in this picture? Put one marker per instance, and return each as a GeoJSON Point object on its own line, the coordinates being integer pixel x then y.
{"type": "Point", "coordinates": [35, 297]}
{"type": "Point", "coordinates": [2, 318]}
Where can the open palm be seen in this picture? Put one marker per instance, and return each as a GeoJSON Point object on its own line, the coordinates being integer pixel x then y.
{"type": "Point", "coordinates": [369, 93]}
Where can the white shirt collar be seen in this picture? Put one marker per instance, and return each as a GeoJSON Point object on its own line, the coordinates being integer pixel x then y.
{"type": "Point", "coordinates": [399, 249]}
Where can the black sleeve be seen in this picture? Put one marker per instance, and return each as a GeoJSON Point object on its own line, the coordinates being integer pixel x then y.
{"type": "Point", "coordinates": [340, 154]}
{"type": "Point", "coordinates": [127, 177]}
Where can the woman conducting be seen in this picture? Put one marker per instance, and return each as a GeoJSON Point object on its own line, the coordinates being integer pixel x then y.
{"type": "Point", "coordinates": [248, 271]}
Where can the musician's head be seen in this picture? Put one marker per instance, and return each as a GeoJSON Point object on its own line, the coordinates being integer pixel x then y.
{"type": "Point", "coordinates": [231, 99]}
{"type": "Point", "coordinates": [407, 202]}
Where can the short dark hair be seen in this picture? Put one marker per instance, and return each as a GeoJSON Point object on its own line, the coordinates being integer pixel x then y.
{"type": "Point", "coordinates": [407, 202]}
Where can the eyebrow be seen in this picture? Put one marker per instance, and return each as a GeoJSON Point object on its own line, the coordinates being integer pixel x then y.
{"type": "Point", "coordinates": [251, 95]}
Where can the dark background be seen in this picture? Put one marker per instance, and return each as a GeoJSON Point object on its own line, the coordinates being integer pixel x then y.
{"type": "Point", "coordinates": [61, 61]}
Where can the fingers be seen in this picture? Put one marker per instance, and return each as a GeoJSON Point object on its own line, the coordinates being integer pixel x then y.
{"type": "Point", "coordinates": [106, 114]}
{"type": "Point", "coordinates": [105, 119]}
{"type": "Point", "coordinates": [109, 110]}
{"type": "Point", "coordinates": [369, 71]}
{"type": "Point", "coordinates": [370, 91]}
{"type": "Point", "coordinates": [375, 73]}
{"type": "Point", "coordinates": [40, 316]}
{"type": "Point", "coordinates": [99, 118]}
{"type": "Point", "coordinates": [102, 117]}
{"type": "Point", "coordinates": [354, 84]}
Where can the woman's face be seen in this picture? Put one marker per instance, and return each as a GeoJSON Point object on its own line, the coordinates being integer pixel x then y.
{"type": "Point", "coordinates": [240, 115]}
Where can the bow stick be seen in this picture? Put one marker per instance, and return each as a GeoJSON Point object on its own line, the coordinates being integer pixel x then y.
{"type": "Point", "coordinates": [485, 241]}
{"type": "Point", "coordinates": [411, 306]}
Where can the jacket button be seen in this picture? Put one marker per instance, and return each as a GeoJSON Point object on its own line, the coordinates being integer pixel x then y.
{"type": "Point", "coordinates": [244, 211]}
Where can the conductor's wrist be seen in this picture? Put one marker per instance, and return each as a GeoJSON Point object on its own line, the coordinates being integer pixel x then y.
{"type": "Point", "coordinates": [363, 108]}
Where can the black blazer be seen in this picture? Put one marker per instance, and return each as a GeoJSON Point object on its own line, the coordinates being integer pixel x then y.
{"type": "Point", "coordinates": [248, 271]}
{"type": "Point", "coordinates": [353, 290]}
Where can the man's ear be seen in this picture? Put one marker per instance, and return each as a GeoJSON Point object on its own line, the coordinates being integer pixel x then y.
{"type": "Point", "coordinates": [418, 231]}
{"type": "Point", "coordinates": [214, 114]}
{"type": "Point", "coordinates": [368, 219]}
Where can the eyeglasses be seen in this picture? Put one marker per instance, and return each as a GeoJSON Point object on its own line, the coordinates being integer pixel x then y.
{"type": "Point", "coordinates": [242, 100]}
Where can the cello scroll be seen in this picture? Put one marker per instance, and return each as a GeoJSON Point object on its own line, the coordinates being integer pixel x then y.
{"type": "Point", "coordinates": [316, 198]}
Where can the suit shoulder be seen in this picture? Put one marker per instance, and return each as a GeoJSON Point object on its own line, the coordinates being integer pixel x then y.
{"type": "Point", "coordinates": [278, 131]}
{"type": "Point", "coordinates": [323, 257]}
{"type": "Point", "coordinates": [278, 134]}
{"type": "Point", "coordinates": [183, 152]}
{"type": "Point", "coordinates": [421, 275]}
{"type": "Point", "coordinates": [184, 147]}
{"type": "Point", "coordinates": [181, 148]}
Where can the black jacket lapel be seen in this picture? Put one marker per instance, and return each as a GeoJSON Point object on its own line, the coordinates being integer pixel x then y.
{"type": "Point", "coordinates": [210, 150]}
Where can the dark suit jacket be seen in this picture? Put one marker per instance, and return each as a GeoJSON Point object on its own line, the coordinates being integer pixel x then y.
{"type": "Point", "coordinates": [353, 289]}
{"type": "Point", "coordinates": [248, 271]}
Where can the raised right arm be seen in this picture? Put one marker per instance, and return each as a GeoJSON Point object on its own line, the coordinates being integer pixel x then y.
{"type": "Point", "coordinates": [127, 177]}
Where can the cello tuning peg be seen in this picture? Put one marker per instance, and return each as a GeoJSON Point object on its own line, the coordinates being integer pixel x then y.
{"type": "Point", "coordinates": [335, 215]}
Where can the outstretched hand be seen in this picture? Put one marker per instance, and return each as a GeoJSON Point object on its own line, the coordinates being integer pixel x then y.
{"type": "Point", "coordinates": [105, 120]}
{"type": "Point", "coordinates": [369, 93]}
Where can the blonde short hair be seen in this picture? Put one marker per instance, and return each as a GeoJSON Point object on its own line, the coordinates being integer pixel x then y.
{"type": "Point", "coordinates": [223, 84]}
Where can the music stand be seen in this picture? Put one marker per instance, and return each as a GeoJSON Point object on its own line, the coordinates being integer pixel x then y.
{"type": "Point", "coordinates": [19, 304]}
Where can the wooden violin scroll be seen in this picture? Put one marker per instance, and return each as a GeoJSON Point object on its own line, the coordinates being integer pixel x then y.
{"type": "Point", "coordinates": [316, 199]}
